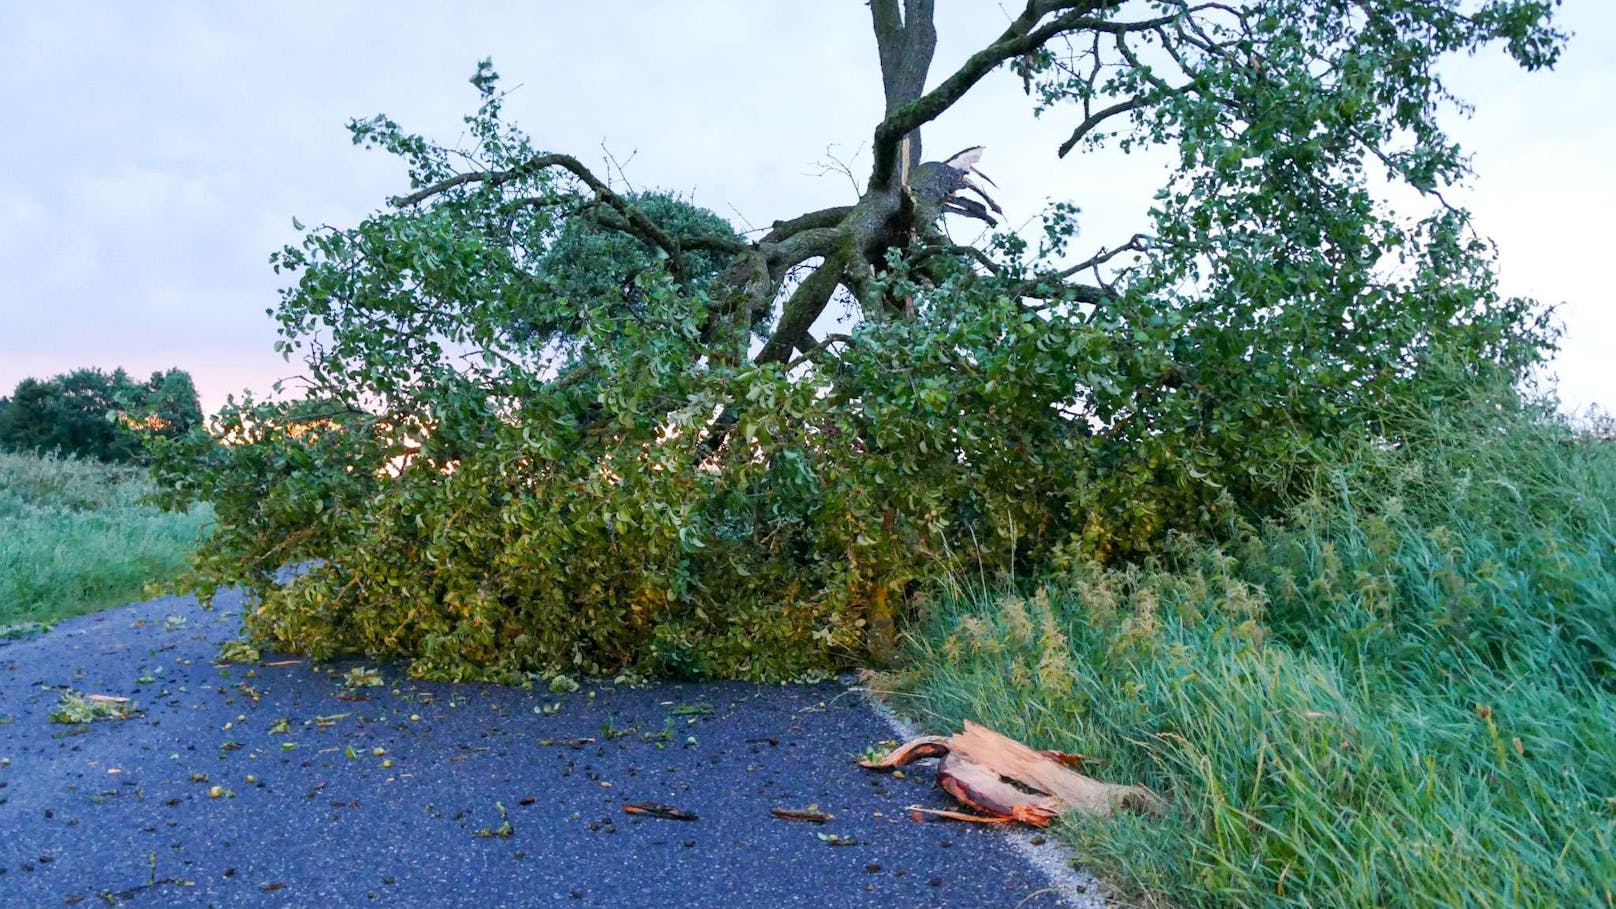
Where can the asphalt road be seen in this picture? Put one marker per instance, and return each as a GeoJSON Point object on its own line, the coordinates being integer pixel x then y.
{"type": "Point", "coordinates": [282, 785]}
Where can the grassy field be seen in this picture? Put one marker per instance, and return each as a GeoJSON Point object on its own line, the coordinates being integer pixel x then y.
{"type": "Point", "coordinates": [76, 536]}
{"type": "Point", "coordinates": [1405, 695]}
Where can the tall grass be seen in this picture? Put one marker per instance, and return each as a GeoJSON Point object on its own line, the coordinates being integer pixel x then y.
{"type": "Point", "coordinates": [76, 536]}
{"type": "Point", "coordinates": [1404, 695]}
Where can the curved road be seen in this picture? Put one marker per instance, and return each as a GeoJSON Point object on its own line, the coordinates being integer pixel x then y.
{"type": "Point", "coordinates": [281, 785]}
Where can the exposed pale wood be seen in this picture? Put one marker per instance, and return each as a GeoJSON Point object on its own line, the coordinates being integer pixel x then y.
{"type": "Point", "coordinates": [917, 812]}
{"type": "Point", "coordinates": [1019, 762]}
{"type": "Point", "coordinates": [810, 815]}
{"type": "Point", "coordinates": [1065, 757]}
{"type": "Point", "coordinates": [927, 746]}
{"type": "Point", "coordinates": [1009, 780]}
{"type": "Point", "coordinates": [979, 786]}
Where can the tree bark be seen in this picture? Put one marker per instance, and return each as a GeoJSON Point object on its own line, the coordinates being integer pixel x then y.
{"type": "Point", "coordinates": [905, 45]}
{"type": "Point", "coordinates": [853, 240]}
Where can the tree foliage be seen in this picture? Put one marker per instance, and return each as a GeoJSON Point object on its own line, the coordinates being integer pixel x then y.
{"type": "Point", "coordinates": [656, 465]}
{"type": "Point", "coordinates": [91, 414]}
{"type": "Point", "coordinates": [589, 259]}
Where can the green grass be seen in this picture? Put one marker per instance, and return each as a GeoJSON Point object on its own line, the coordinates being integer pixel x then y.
{"type": "Point", "coordinates": [1404, 695]}
{"type": "Point", "coordinates": [76, 536]}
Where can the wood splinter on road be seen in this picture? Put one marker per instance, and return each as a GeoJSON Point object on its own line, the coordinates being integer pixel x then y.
{"type": "Point", "coordinates": [808, 815]}
{"type": "Point", "coordinates": [992, 773]}
{"type": "Point", "coordinates": [652, 809]}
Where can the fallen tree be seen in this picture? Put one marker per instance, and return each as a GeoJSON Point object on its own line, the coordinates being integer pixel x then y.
{"type": "Point", "coordinates": [678, 471]}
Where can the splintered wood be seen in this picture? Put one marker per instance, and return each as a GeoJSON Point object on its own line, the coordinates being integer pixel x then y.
{"type": "Point", "coordinates": [1009, 781]}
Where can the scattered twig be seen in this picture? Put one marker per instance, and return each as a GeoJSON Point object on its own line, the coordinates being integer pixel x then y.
{"type": "Point", "coordinates": [652, 809]}
{"type": "Point", "coordinates": [808, 815]}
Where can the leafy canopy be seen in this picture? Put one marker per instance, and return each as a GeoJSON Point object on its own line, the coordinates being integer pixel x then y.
{"type": "Point", "coordinates": [578, 430]}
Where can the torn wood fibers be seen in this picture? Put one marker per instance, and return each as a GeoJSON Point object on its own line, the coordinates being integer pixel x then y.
{"type": "Point", "coordinates": [1009, 781]}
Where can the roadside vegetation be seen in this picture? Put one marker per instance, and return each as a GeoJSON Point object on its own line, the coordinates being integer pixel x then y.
{"type": "Point", "coordinates": [1402, 694]}
{"type": "Point", "coordinates": [1346, 604]}
{"type": "Point", "coordinates": [80, 536]}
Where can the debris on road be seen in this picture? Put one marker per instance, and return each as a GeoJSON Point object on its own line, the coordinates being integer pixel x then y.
{"type": "Point", "coordinates": [567, 743]}
{"type": "Point", "coordinates": [652, 809]}
{"type": "Point", "coordinates": [1009, 781]}
{"type": "Point", "coordinates": [810, 814]}
{"type": "Point", "coordinates": [76, 708]}
{"type": "Point", "coordinates": [503, 831]}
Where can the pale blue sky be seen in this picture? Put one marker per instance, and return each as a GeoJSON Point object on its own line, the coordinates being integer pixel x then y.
{"type": "Point", "coordinates": [156, 153]}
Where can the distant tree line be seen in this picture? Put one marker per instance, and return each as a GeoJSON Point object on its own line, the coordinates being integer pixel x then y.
{"type": "Point", "coordinates": [88, 413]}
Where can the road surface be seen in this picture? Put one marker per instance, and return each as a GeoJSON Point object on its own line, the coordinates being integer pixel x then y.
{"type": "Point", "coordinates": [283, 784]}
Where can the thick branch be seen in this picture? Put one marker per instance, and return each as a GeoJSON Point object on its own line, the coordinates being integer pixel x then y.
{"type": "Point", "coordinates": [860, 279]}
{"type": "Point", "coordinates": [1068, 293]}
{"type": "Point", "coordinates": [748, 289]}
{"type": "Point", "coordinates": [689, 242]}
{"type": "Point", "coordinates": [1020, 38]}
{"type": "Point", "coordinates": [970, 252]}
{"type": "Point", "coordinates": [815, 348]}
{"type": "Point", "coordinates": [799, 248]}
{"type": "Point", "coordinates": [1053, 285]}
{"type": "Point", "coordinates": [492, 178]}
{"type": "Point", "coordinates": [825, 217]}
{"type": "Point", "coordinates": [887, 20]}
{"type": "Point", "coordinates": [905, 47]}
{"type": "Point", "coordinates": [800, 311]}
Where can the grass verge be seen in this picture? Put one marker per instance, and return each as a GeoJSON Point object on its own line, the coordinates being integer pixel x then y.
{"type": "Point", "coordinates": [1404, 695]}
{"type": "Point", "coordinates": [77, 536]}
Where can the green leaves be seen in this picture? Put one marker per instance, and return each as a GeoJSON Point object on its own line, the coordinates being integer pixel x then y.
{"type": "Point", "coordinates": [533, 445]}
{"type": "Point", "coordinates": [90, 413]}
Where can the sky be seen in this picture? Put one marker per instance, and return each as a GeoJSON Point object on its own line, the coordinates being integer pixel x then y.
{"type": "Point", "coordinates": [154, 154]}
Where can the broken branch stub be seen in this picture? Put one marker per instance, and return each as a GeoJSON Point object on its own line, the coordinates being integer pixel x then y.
{"type": "Point", "coordinates": [1008, 780]}
{"type": "Point", "coordinates": [984, 788]}
{"type": "Point", "coordinates": [1016, 761]}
